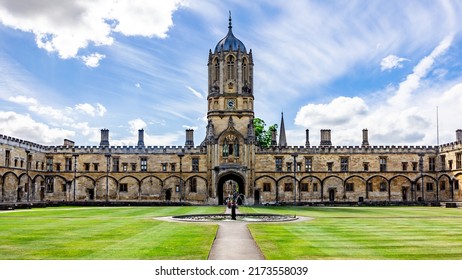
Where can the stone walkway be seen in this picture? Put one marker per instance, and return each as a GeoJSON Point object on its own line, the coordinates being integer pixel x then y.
{"type": "Point", "coordinates": [234, 242]}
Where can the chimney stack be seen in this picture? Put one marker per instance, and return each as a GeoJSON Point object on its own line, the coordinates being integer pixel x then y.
{"type": "Point", "coordinates": [104, 138]}
{"type": "Point", "coordinates": [189, 138]}
{"type": "Point", "coordinates": [459, 135]}
{"type": "Point", "coordinates": [307, 143]}
{"type": "Point", "coordinates": [325, 137]}
{"type": "Point", "coordinates": [365, 138]}
{"type": "Point", "coordinates": [140, 138]}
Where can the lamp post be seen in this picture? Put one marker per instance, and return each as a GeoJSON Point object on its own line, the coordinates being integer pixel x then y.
{"type": "Point", "coordinates": [27, 174]}
{"type": "Point", "coordinates": [75, 171]}
{"type": "Point", "coordinates": [108, 158]}
{"type": "Point", "coordinates": [181, 155]}
{"type": "Point", "coordinates": [421, 155]}
{"type": "Point", "coordinates": [295, 178]}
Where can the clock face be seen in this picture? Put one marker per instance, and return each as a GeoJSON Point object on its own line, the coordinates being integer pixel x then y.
{"type": "Point", "coordinates": [230, 103]}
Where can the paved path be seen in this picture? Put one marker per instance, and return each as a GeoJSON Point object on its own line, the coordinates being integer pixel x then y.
{"type": "Point", "coordinates": [234, 242]}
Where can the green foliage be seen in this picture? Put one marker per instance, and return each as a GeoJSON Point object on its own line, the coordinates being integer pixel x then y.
{"type": "Point", "coordinates": [263, 136]}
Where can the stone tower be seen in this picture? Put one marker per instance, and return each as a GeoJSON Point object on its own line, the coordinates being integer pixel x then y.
{"type": "Point", "coordinates": [230, 134]}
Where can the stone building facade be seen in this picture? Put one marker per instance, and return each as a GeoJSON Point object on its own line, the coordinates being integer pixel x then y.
{"type": "Point", "coordinates": [229, 159]}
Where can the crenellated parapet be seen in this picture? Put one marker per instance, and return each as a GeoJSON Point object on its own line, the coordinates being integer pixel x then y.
{"type": "Point", "coordinates": [126, 149]}
{"type": "Point", "coordinates": [27, 145]}
{"type": "Point", "coordinates": [348, 150]}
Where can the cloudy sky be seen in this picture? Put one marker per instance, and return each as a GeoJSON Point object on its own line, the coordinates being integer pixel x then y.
{"type": "Point", "coordinates": [69, 68]}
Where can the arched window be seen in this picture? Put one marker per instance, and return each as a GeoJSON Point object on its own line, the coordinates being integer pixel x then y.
{"type": "Point", "coordinates": [245, 70]}
{"type": "Point", "coordinates": [230, 64]}
{"type": "Point", "coordinates": [217, 70]}
{"type": "Point", "coordinates": [230, 146]}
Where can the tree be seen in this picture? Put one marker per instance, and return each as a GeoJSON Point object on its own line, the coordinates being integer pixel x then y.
{"type": "Point", "coordinates": [263, 136]}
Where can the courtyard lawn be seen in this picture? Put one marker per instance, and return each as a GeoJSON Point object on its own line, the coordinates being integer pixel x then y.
{"type": "Point", "coordinates": [104, 233]}
{"type": "Point", "coordinates": [399, 233]}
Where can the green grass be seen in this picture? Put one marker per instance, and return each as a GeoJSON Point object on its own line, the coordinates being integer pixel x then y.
{"type": "Point", "coordinates": [120, 233]}
{"type": "Point", "coordinates": [399, 233]}
{"type": "Point", "coordinates": [104, 233]}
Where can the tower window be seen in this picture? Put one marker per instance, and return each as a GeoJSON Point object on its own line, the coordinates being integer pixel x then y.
{"type": "Point", "coordinates": [245, 70]}
{"type": "Point", "coordinates": [230, 65]}
{"type": "Point", "coordinates": [217, 70]}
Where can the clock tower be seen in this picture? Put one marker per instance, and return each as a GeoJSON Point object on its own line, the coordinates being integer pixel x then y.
{"type": "Point", "coordinates": [230, 136]}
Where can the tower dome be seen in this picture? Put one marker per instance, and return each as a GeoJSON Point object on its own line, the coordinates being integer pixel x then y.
{"type": "Point", "coordinates": [230, 42]}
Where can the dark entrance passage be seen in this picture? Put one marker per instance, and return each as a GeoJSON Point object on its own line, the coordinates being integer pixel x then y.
{"type": "Point", "coordinates": [227, 184]}
{"type": "Point", "coordinates": [257, 197]}
{"type": "Point", "coordinates": [404, 194]}
{"type": "Point", "coordinates": [91, 194]}
{"type": "Point", "coordinates": [168, 195]}
{"type": "Point", "coordinates": [331, 195]}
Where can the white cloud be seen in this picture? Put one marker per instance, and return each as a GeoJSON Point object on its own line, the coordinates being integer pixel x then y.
{"type": "Point", "coordinates": [137, 85]}
{"type": "Point", "coordinates": [23, 100]}
{"type": "Point", "coordinates": [392, 62]}
{"type": "Point", "coordinates": [392, 116]}
{"type": "Point", "coordinates": [24, 127]}
{"type": "Point", "coordinates": [136, 125]}
{"type": "Point", "coordinates": [412, 82]}
{"type": "Point", "coordinates": [93, 59]}
{"type": "Point", "coordinates": [70, 26]}
{"type": "Point", "coordinates": [195, 92]}
{"type": "Point", "coordinates": [131, 138]}
{"type": "Point", "coordinates": [96, 110]}
{"type": "Point", "coordinates": [340, 111]}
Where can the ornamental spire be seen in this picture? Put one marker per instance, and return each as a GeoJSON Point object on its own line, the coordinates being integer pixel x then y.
{"type": "Point", "coordinates": [230, 26]}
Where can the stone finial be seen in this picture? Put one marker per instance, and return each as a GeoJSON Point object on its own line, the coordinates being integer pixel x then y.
{"type": "Point", "coordinates": [282, 133]}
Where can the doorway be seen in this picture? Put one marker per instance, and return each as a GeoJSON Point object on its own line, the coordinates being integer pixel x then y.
{"type": "Point", "coordinates": [91, 194]}
{"type": "Point", "coordinates": [168, 195]}
{"type": "Point", "coordinates": [227, 185]}
{"type": "Point", "coordinates": [404, 191]}
{"type": "Point", "coordinates": [257, 197]}
{"type": "Point", "coordinates": [331, 195]}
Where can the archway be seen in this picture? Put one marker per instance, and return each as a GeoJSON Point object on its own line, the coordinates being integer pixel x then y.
{"type": "Point", "coordinates": [226, 184]}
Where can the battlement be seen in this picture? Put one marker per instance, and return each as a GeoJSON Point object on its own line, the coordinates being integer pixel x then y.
{"type": "Point", "coordinates": [348, 149]}
{"type": "Point", "coordinates": [124, 149]}
{"type": "Point", "coordinates": [27, 145]}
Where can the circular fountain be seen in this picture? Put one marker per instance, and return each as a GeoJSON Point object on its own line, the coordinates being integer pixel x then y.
{"type": "Point", "coordinates": [253, 218]}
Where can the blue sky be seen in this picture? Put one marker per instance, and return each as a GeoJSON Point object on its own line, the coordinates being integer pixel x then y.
{"type": "Point", "coordinates": [70, 68]}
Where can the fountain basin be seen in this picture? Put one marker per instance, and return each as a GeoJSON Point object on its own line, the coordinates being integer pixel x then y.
{"type": "Point", "coordinates": [251, 218]}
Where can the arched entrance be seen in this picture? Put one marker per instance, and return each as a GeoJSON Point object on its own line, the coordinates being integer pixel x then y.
{"type": "Point", "coordinates": [168, 195]}
{"type": "Point", "coordinates": [226, 185]}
